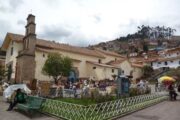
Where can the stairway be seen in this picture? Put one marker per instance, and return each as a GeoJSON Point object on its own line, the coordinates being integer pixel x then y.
{"type": "Point", "coordinates": [163, 72]}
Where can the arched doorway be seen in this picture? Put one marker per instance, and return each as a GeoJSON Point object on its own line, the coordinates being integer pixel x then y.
{"type": "Point", "coordinates": [73, 75]}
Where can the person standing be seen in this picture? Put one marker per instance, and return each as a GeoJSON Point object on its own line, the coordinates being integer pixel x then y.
{"type": "Point", "coordinates": [172, 92]}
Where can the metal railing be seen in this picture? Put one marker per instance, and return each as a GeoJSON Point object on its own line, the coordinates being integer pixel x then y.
{"type": "Point", "coordinates": [101, 111]}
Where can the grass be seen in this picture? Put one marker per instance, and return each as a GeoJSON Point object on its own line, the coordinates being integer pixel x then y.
{"type": "Point", "coordinates": [80, 101]}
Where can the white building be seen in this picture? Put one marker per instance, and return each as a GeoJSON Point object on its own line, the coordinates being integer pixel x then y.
{"type": "Point", "coordinates": [168, 58]}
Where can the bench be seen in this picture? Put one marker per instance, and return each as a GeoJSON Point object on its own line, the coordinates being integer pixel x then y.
{"type": "Point", "coordinates": [32, 104]}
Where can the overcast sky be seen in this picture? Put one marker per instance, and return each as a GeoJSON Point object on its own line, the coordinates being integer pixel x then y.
{"type": "Point", "coordinates": [84, 22]}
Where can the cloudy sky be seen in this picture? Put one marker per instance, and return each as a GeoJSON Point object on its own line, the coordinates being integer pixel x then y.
{"type": "Point", "coordinates": [84, 22]}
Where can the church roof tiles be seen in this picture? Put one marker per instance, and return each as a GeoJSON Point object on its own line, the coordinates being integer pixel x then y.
{"type": "Point", "coordinates": [48, 45]}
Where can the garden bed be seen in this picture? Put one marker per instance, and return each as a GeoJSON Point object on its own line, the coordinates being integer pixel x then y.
{"type": "Point", "coordinates": [64, 108]}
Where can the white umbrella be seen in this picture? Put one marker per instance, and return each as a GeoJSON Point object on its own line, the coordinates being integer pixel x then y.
{"type": "Point", "coordinates": [10, 89]}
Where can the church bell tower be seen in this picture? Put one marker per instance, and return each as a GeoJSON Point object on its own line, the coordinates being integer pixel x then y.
{"type": "Point", "coordinates": [25, 66]}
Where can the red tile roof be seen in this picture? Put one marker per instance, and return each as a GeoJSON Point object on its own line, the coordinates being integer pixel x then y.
{"type": "Point", "coordinates": [137, 65]}
{"type": "Point", "coordinates": [109, 53]}
{"type": "Point", "coordinates": [168, 59]}
{"type": "Point", "coordinates": [102, 65]}
{"type": "Point", "coordinates": [112, 62]}
{"type": "Point", "coordinates": [58, 46]}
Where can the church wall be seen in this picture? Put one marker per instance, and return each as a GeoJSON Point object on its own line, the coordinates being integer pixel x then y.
{"type": "Point", "coordinates": [85, 71]}
{"type": "Point", "coordinates": [126, 67]}
{"type": "Point", "coordinates": [100, 72]}
{"type": "Point", "coordinates": [137, 73]}
{"type": "Point", "coordinates": [83, 58]}
{"type": "Point", "coordinates": [11, 59]}
{"type": "Point", "coordinates": [40, 60]}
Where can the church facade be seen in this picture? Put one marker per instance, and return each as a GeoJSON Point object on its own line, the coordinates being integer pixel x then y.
{"type": "Point", "coordinates": [26, 55]}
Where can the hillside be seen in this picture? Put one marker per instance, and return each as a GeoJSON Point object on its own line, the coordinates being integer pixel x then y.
{"type": "Point", "coordinates": [127, 46]}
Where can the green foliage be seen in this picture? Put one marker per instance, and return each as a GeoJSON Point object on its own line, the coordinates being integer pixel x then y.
{"type": "Point", "coordinates": [133, 92]}
{"type": "Point", "coordinates": [145, 48]}
{"type": "Point", "coordinates": [136, 92]}
{"type": "Point", "coordinates": [99, 98]}
{"type": "Point", "coordinates": [145, 31]}
{"type": "Point", "coordinates": [57, 66]}
{"type": "Point", "coordinates": [2, 72]}
{"type": "Point", "coordinates": [9, 72]}
{"type": "Point", "coordinates": [147, 71]}
{"type": "Point", "coordinates": [174, 72]}
{"type": "Point", "coordinates": [80, 101]}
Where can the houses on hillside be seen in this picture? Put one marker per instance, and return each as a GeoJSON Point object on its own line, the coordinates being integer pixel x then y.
{"type": "Point", "coordinates": [168, 58]}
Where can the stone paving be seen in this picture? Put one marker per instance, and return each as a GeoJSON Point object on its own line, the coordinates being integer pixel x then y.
{"type": "Point", "coordinates": [168, 110]}
{"type": "Point", "coordinates": [16, 115]}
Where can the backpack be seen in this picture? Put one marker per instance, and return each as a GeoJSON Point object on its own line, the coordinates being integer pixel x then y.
{"type": "Point", "coordinates": [21, 97]}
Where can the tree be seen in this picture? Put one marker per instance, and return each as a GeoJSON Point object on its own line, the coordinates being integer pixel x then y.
{"type": "Point", "coordinates": [2, 73]}
{"type": "Point", "coordinates": [9, 72]}
{"type": "Point", "coordinates": [147, 71]}
{"type": "Point", "coordinates": [174, 73]}
{"type": "Point", "coordinates": [57, 66]}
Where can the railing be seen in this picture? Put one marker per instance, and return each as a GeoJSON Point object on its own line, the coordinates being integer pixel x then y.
{"type": "Point", "coordinates": [158, 75]}
{"type": "Point", "coordinates": [101, 111]}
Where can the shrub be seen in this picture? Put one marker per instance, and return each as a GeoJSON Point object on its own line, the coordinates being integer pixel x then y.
{"type": "Point", "coordinates": [98, 98]}
{"type": "Point", "coordinates": [133, 92]}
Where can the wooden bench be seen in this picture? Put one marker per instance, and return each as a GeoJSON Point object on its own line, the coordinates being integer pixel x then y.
{"type": "Point", "coordinates": [32, 104]}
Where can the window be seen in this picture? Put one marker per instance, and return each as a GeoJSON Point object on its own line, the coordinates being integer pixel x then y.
{"type": "Point", "coordinates": [99, 60]}
{"type": "Point", "coordinates": [165, 63]}
{"type": "Point", "coordinates": [159, 62]}
{"type": "Point", "coordinates": [115, 59]}
{"type": "Point", "coordinates": [94, 67]}
{"type": "Point", "coordinates": [112, 70]}
{"type": "Point", "coordinates": [43, 55]}
{"type": "Point", "coordinates": [171, 61]}
{"type": "Point", "coordinates": [12, 51]}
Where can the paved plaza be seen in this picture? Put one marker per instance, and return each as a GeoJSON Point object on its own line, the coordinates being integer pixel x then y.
{"type": "Point", "coordinates": [168, 110]}
{"type": "Point", "coordinates": [15, 115]}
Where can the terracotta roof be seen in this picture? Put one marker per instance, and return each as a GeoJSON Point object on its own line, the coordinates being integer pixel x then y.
{"type": "Point", "coordinates": [150, 60]}
{"type": "Point", "coordinates": [44, 50]}
{"type": "Point", "coordinates": [168, 59]}
{"type": "Point", "coordinates": [109, 53]}
{"type": "Point", "coordinates": [142, 59]}
{"type": "Point", "coordinates": [112, 62]}
{"type": "Point", "coordinates": [102, 65]}
{"type": "Point", "coordinates": [174, 50]}
{"type": "Point", "coordinates": [59, 46]}
{"type": "Point", "coordinates": [137, 65]}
